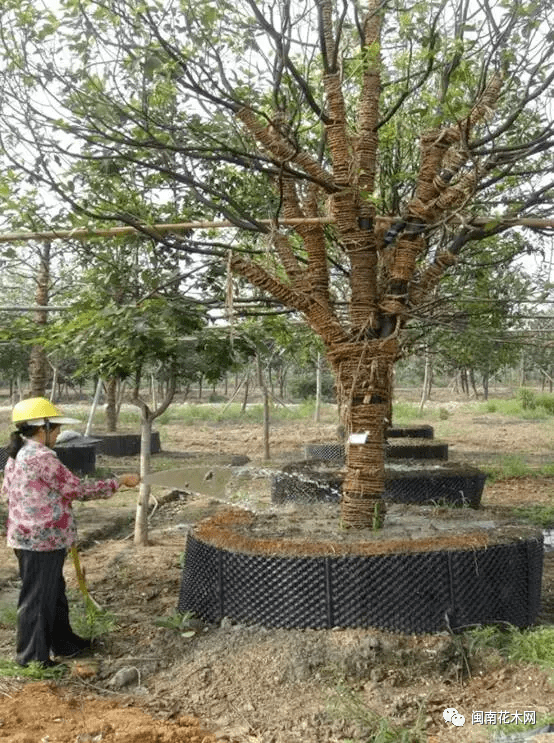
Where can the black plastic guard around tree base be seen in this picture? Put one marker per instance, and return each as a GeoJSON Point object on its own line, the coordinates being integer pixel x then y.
{"type": "Point", "coordinates": [317, 481]}
{"type": "Point", "coordinates": [418, 592]}
{"type": "Point", "coordinates": [125, 444]}
{"type": "Point", "coordinates": [79, 458]}
{"type": "Point", "coordinates": [401, 447]}
{"type": "Point", "coordinates": [416, 449]}
{"type": "Point", "coordinates": [411, 432]}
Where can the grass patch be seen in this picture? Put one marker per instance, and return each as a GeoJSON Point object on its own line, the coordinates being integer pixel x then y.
{"type": "Point", "coordinates": [407, 412]}
{"type": "Point", "coordinates": [345, 704]}
{"type": "Point", "coordinates": [189, 415]}
{"type": "Point", "coordinates": [515, 465]}
{"type": "Point", "coordinates": [33, 671]}
{"type": "Point", "coordinates": [8, 616]}
{"type": "Point", "coordinates": [518, 729]}
{"type": "Point", "coordinates": [542, 516]}
{"type": "Point", "coordinates": [509, 465]}
{"type": "Point", "coordinates": [90, 622]}
{"type": "Point", "coordinates": [527, 405]}
{"type": "Point", "coordinates": [528, 646]}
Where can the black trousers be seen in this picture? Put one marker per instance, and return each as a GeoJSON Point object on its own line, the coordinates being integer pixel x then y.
{"type": "Point", "coordinates": [42, 611]}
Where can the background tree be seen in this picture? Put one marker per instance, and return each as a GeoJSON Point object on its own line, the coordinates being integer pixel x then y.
{"type": "Point", "coordinates": [125, 343]}
{"type": "Point", "coordinates": [415, 132]}
{"type": "Point", "coordinates": [467, 327]}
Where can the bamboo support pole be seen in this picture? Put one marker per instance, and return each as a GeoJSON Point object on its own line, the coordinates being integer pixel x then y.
{"type": "Point", "coordinates": [152, 229]}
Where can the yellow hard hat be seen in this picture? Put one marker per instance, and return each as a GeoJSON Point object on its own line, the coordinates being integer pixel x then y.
{"type": "Point", "coordinates": [38, 411]}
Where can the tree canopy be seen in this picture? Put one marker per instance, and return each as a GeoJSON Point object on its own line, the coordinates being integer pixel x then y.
{"type": "Point", "coordinates": [398, 136]}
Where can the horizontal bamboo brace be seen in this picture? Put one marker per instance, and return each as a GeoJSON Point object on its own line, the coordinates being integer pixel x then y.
{"type": "Point", "coordinates": [84, 233]}
{"type": "Point", "coordinates": [122, 231]}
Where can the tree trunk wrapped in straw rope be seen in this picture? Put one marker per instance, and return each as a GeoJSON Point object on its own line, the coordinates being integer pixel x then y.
{"type": "Point", "coordinates": [364, 372]}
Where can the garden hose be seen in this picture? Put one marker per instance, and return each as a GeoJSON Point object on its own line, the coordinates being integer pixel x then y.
{"type": "Point", "coordinates": [89, 601]}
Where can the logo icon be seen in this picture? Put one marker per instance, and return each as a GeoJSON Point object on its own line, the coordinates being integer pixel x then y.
{"type": "Point", "coordinates": [452, 715]}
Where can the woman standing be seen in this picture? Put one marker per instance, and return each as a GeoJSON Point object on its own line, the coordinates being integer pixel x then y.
{"type": "Point", "coordinates": [40, 492]}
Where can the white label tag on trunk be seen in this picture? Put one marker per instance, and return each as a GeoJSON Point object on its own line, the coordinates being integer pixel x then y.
{"type": "Point", "coordinates": [358, 438]}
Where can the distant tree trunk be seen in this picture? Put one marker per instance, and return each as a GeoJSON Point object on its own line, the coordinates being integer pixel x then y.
{"type": "Point", "coordinates": [153, 391]}
{"type": "Point", "coordinates": [427, 380]}
{"type": "Point", "coordinates": [473, 383]}
{"type": "Point", "coordinates": [93, 407]}
{"type": "Point", "coordinates": [265, 394]}
{"type": "Point", "coordinates": [141, 515]}
{"type": "Point", "coordinates": [38, 364]}
{"type": "Point", "coordinates": [111, 405]}
{"type": "Point", "coordinates": [245, 395]}
{"type": "Point", "coordinates": [522, 373]}
{"type": "Point", "coordinates": [54, 383]}
{"type": "Point", "coordinates": [283, 382]}
{"type": "Point", "coordinates": [485, 385]}
{"type": "Point", "coordinates": [464, 381]}
{"type": "Point", "coordinates": [317, 411]}
{"type": "Point", "coordinates": [267, 453]}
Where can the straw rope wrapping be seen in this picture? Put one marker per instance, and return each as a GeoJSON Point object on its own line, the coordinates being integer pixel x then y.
{"type": "Point", "coordinates": [364, 482]}
{"type": "Point", "coordinates": [281, 243]}
{"type": "Point", "coordinates": [433, 194]}
{"type": "Point", "coordinates": [313, 238]}
{"type": "Point", "coordinates": [364, 374]}
{"type": "Point", "coordinates": [363, 369]}
{"type": "Point", "coordinates": [282, 150]}
{"type": "Point", "coordinates": [430, 278]}
{"type": "Point", "coordinates": [259, 277]}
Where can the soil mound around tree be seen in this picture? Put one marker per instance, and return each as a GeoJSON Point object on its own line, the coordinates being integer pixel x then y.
{"type": "Point", "coordinates": [305, 530]}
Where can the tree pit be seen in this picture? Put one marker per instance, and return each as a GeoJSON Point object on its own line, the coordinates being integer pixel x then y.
{"type": "Point", "coordinates": [428, 570]}
{"type": "Point", "coordinates": [406, 481]}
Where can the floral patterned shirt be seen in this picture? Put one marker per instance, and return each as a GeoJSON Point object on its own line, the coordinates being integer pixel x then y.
{"type": "Point", "coordinates": [40, 492]}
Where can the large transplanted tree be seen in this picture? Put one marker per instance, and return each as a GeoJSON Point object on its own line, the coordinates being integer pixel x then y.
{"type": "Point", "coordinates": [388, 138]}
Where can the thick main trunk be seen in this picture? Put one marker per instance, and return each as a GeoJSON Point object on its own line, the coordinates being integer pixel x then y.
{"type": "Point", "coordinates": [364, 374]}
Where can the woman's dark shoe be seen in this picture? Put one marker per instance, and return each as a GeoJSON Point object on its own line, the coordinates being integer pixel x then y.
{"type": "Point", "coordinates": [77, 646]}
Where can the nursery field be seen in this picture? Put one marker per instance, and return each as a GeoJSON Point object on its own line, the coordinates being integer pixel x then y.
{"type": "Point", "coordinates": [158, 677]}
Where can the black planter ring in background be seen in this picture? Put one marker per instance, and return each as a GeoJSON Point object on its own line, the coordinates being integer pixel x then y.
{"type": "Point", "coordinates": [421, 448]}
{"type": "Point", "coordinates": [312, 481]}
{"type": "Point", "coordinates": [402, 447]}
{"type": "Point", "coordinates": [411, 592]}
{"type": "Point", "coordinates": [412, 432]}
{"type": "Point", "coordinates": [420, 483]}
{"type": "Point", "coordinates": [79, 456]}
{"type": "Point", "coordinates": [126, 444]}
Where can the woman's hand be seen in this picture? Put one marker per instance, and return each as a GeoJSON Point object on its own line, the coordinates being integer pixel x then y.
{"type": "Point", "coordinates": [129, 480]}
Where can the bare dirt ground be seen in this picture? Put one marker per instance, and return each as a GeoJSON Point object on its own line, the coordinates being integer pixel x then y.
{"type": "Point", "coordinates": [241, 684]}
